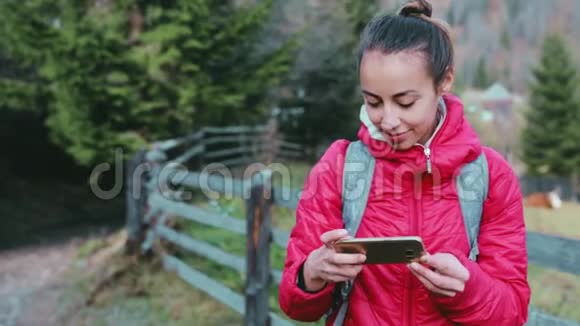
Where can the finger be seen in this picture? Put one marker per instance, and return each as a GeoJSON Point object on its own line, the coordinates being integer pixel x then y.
{"type": "Point", "coordinates": [333, 235]}
{"type": "Point", "coordinates": [346, 259]}
{"type": "Point", "coordinates": [335, 278]}
{"type": "Point", "coordinates": [344, 271]}
{"type": "Point", "coordinates": [431, 287]}
{"type": "Point", "coordinates": [439, 280]}
{"type": "Point", "coordinates": [444, 266]}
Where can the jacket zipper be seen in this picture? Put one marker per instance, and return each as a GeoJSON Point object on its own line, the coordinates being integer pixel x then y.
{"type": "Point", "coordinates": [427, 148]}
{"type": "Point", "coordinates": [414, 230]}
{"type": "Point", "coordinates": [417, 217]}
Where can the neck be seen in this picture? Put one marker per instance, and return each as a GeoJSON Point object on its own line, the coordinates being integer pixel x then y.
{"type": "Point", "coordinates": [438, 117]}
{"type": "Point", "coordinates": [434, 125]}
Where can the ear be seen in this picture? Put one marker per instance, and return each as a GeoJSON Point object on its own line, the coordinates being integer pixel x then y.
{"type": "Point", "coordinates": [447, 82]}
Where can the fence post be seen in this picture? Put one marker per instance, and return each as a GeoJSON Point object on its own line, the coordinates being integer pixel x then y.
{"type": "Point", "coordinates": [134, 203]}
{"type": "Point", "coordinates": [259, 236]}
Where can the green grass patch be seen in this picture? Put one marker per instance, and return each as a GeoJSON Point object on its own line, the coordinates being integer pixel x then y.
{"type": "Point", "coordinates": [90, 247]}
{"type": "Point", "coordinates": [555, 292]}
{"type": "Point", "coordinates": [231, 242]}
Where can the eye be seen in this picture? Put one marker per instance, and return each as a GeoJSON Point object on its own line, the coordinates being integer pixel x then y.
{"type": "Point", "coordinates": [373, 103]}
{"type": "Point", "coordinates": [407, 105]}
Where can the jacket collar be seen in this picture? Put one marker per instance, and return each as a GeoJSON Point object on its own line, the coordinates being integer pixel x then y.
{"type": "Point", "coordinates": [375, 133]}
{"type": "Point", "coordinates": [453, 143]}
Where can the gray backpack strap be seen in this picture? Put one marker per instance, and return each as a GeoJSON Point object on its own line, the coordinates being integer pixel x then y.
{"type": "Point", "coordinates": [359, 166]}
{"type": "Point", "coordinates": [472, 189]}
{"type": "Point", "coordinates": [357, 176]}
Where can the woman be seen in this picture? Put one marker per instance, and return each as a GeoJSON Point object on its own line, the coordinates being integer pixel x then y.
{"type": "Point", "coordinates": [405, 69]}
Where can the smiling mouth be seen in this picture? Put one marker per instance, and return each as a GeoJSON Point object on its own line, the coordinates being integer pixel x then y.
{"type": "Point", "coordinates": [398, 134]}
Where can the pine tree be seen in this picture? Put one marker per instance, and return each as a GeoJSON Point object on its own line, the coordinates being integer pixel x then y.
{"type": "Point", "coordinates": [482, 79]}
{"type": "Point", "coordinates": [506, 39]}
{"type": "Point", "coordinates": [359, 14]}
{"type": "Point", "coordinates": [127, 72]}
{"type": "Point", "coordinates": [551, 140]}
{"type": "Point", "coordinates": [332, 99]}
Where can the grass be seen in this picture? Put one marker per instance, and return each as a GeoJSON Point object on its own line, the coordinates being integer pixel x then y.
{"type": "Point", "coordinates": [90, 247]}
{"type": "Point", "coordinates": [552, 291]}
{"type": "Point", "coordinates": [564, 221]}
{"type": "Point", "coordinates": [167, 300]}
{"type": "Point", "coordinates": [137, 293]}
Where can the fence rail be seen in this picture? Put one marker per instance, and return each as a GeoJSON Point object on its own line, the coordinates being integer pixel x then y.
{"type": "Point", "coordinates": [546, 250]}
{"type": "Point", "coordinates": [246, 142]}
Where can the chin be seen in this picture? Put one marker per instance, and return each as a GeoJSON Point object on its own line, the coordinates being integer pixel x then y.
{"type": "Point", "coordinates": [402, 146]}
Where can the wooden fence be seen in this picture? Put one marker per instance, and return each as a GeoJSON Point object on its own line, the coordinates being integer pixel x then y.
{"type": "Point", "coordinates": [151, 205]}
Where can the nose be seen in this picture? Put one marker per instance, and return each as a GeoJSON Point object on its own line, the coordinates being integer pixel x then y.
{"type": "Point", "coordinates": [390, 119]}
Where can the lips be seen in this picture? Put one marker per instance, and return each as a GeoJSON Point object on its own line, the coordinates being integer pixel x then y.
{"type": "Point", "coordinates": [398, 137]}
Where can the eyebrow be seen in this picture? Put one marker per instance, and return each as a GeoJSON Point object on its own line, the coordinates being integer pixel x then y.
{"type": "Point", "coordinates": [407, 92]}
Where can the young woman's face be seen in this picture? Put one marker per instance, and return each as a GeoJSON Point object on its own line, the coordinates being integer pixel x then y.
{"type": "Point", "coordinates": [400, 97]}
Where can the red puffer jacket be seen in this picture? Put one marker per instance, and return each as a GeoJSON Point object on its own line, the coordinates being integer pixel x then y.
{"type": "Point", "coordinates": [497, 292]}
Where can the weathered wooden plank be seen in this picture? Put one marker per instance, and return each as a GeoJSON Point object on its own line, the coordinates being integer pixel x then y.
{"type": "Point", "coordinates": [198, 215]}
{"type": "Point", "coordinates": [238, 161]}
{"type": "Point", "coordinates": [172, 143]}
{"type": "Point", "coordinates": [259, 225]}
{"type": "Point", "coordinates": [136, 198]}
{"type": "Point", "coordinates": [291, 145]}
{"type": "Point", "coordinates": [234, 129]}
{"type": "Point", "coordinates": [280, 237]}
{"type": "Point", "coordinates": [216, 182]}
{"type": "Point", "coordinates": [237, 263]}
{"type": "Point", "coordinates": [187, 155]}
{"type": "Point", "coordinates": [279, 321]}
{"type": "Point", "coordinates": [229, 151]}
{"type": "Point", "coordinates": [539, 318]}
{"type": "Point", "coordinates": [213, 288]}
{"type": "Point", "coordinates": [286, 197]}
{"type": "Point", "coordinates": [277, 276]}
{"type": "Point", "coordinates": [555, 252]}
{"type": "Point", "coordinates": [220, 140]}
{"type": "Point", "coordinates": [233, 187]}
{"type": "Point", "coordinates": [202, 249]}
{"type": "Point", "coordinates": [208, 285]}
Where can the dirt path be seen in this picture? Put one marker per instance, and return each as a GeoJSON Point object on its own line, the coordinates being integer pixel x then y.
{"type": "Point", "coordinates": [31, 279]}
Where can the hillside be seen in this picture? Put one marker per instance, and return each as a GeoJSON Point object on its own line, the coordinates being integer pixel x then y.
{"type": "Point", "coordinates": [506, 35]}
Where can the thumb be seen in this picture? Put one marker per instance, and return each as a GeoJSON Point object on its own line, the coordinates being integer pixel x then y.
{"type": "Point", "coordinates": [447, 265]}
{"type": "Point", "coordinates": [333, 235]}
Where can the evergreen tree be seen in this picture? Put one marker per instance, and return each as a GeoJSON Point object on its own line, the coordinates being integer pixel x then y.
{"type": "Point", "coordinates": [551, 140]}
{"type": "Point", "coordinates": [482, 79]}
{"type": "Point", "coordinates": [506, 38]}
{"type": "Point", "coordinates": [360, 12]}
{"type": "Point", "coordinates": [332, 98]}
{"type": "Point", "coordinates": [125, 72]}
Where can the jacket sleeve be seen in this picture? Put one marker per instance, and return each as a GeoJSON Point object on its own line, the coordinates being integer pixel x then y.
{"type": "Point", "coordinates": [497, 292]}
{"type": "Point", "coordinates": [318, 211]}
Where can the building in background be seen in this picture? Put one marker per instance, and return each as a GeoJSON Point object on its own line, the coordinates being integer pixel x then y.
{"type": "Point", "coordinates": [498, 119]}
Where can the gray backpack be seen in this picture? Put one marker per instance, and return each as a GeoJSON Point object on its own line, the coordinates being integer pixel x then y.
{"type": "Point", "coordinates": [472, 187]}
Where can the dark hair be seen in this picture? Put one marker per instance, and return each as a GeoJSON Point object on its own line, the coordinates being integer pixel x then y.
{"type": "Point", "coordinates": [411, 29]}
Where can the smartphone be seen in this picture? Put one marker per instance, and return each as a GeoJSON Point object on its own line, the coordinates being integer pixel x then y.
{"type": "Point", "coordinates": [386, 250]}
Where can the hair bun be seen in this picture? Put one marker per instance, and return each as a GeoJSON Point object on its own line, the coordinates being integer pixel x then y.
{"type": "Point", "coordinates": [416, 8]}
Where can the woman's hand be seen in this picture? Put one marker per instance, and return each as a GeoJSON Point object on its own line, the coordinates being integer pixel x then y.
{"type": "Point", "coordinates": [325, 265]}
{"type": "Point", "coordinates": [447, 275]}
